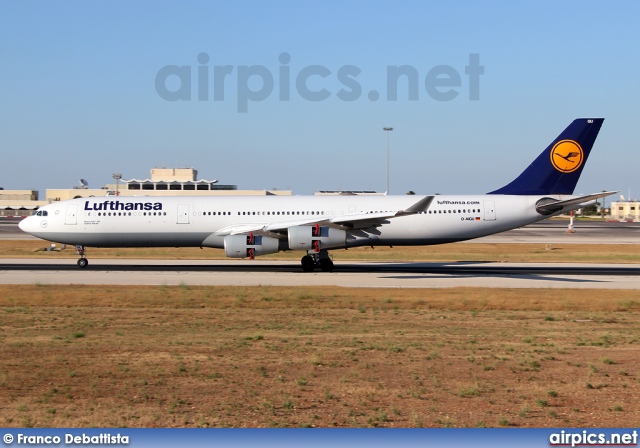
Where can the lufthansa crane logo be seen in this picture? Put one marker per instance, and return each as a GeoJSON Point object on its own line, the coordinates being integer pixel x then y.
{"type": "Point", "coordinates": [567, 156]}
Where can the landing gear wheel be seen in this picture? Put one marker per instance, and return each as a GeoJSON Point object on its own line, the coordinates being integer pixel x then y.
{"type": "Point", "coordinates": [308, 263]}
{"type": "Point", "coordinates": [83, 263]}
{"type": "Point", "coordinates": [326, 265]}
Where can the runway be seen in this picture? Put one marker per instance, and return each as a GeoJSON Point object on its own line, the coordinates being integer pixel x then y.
{"type": "Point", "coordinates": [352, 274]}
{"type": "Point", "coordinates": [348, 274]}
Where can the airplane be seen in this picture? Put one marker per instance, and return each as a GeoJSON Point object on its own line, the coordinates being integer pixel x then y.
{"type": "Point", "coordinates": [250, 226]}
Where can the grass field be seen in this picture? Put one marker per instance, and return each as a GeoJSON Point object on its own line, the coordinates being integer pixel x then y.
{"type": "Point", "coordinates": [77, 356]}
{"type": "Point", "coordinates": [515, 253]}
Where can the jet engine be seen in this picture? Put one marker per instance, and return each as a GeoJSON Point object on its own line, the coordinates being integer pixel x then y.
{"type": "Point", "coordinates": [316, 238]}
{"type": "Point", "coordinates": [249, 246]}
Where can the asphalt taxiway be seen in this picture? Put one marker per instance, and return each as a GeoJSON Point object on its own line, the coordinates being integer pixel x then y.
{"type": "Point", "coordinates": [277, 273]}
{"type": "Point", "coordinates": [352, 274]}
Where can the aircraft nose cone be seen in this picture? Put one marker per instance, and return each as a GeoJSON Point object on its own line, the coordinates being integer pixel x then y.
{"type": "Point", "coordinates": [27, 224]}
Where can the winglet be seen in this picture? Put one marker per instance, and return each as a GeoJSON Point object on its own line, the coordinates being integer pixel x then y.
{"type": "Point", "coordinates": [420, 206]}
{"type": "Point", "coordinates": [558, 168]}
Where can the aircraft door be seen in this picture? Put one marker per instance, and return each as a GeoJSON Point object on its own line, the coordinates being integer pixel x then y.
{"type": "Point", "coordinates": [71, 217]}
{"type": "Point", "coordinates": [489, 211]}
{"type": "Point", "coordinates": [183, 213]}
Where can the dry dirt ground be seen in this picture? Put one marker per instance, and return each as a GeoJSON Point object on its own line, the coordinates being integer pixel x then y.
{"type": "Point", "coordinates": [78, 356]}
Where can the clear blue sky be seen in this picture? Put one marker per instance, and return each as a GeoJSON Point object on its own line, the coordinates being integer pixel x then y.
{"type": "Point", "coordinates": [79, 99]}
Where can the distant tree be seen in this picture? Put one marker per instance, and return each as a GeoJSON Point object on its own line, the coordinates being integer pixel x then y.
{"type": "Point", "coordinates": [591, 210]}
{"type": "Point", "coordinates": [411, 192]}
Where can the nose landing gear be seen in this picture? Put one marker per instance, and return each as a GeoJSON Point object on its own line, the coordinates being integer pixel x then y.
{"type": "Point", "coordinates": [82, 262]}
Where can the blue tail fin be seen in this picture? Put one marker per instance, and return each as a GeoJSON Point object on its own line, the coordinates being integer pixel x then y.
{"type": "Point", "coordinates": [558, 168]}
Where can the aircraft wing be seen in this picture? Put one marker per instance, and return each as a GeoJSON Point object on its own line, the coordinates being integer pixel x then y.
{"type": "Point", "coordinates": [364, 220]}
{"type": "Point", "coordinates": [345, 222]}
{"type": "Point", "coordinates": [549, 206]}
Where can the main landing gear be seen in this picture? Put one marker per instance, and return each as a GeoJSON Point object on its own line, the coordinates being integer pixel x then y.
{"type": "Point", "coordinates": [317, 259]}
{"type": "Point", "coordinates": [82, 262]}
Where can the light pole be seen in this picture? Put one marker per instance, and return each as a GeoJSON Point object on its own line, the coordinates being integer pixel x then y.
{"type": "Point", "coordinates": [387, 130]}
{"type": "Point", "coordinates": [117, 177]}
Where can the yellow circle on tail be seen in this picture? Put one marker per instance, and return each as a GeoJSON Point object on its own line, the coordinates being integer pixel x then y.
{"type": "Point", "coordinates": [567, 156]}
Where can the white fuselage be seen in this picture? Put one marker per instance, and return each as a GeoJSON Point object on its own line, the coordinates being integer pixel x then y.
{"type": "Point", "coordinates": [145, 221]}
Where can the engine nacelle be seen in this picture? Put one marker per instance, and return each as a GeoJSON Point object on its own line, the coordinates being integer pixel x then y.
{"type": "Point", "coordinates": [249, 246]}
{"type": "Point", "coordinates": [316, 238]}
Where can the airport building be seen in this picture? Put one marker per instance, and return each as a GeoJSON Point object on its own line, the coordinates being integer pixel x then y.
{"type": "Point", "coordinates": [19, 202]}
{"type": "Point", "coordinates": [625, 210]}
{"type": "Point", "coordinates": [347, 193]}
{"type": "Point", "coordinates": [163, 182]}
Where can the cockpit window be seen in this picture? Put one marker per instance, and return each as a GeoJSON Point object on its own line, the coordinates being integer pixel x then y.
{"type": "Point", "coordinates": [42, 213]}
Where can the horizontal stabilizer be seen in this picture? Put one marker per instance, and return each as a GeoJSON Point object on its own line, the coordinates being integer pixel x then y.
{"type": "Point", "coordinates": [548, 206]}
